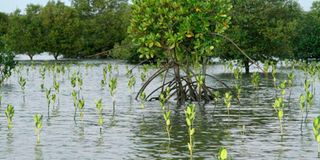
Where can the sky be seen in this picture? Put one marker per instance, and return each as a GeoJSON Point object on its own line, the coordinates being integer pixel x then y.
{"type": "Point", "coordinates": [11, 5]}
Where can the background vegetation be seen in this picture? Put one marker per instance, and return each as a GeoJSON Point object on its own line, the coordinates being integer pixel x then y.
{"type": "Point", "coordinates": [276, 29]}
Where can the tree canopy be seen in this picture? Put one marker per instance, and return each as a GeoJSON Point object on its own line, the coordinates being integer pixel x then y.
{"type": "Point", "coordinates": [263, 29]}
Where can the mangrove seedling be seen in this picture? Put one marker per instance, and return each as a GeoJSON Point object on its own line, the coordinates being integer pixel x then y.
{"type": "Point", "coordinates": [113, 86]}
{"type": "Point", "coordinates": [109, 68]}
{"type": "Point", "coordinates": [302, 104]}
{"type": "Point", "coordinates": [216, 95]}
{"type": "Point", "coordinates": [53, 98]}
{"type": "Point", "coordinates": [22, 83]}
{"type": "Point", "coordinates": [282, 87]}
{"type": "Point", "coordinates": [38, 125]}
{"type": "Point", "coordinates": [237, 74]}
{"type": "Point", "coordinates": [56, 86]}
{"type": "Point", "coordinates": [104, 79]}
{"type": "Point", "coordinates": [43, 74]}
{"type": "Point", "coordinates": [81, 107]}
{"type": "Point", "coordinates": [9, 114]}
{"type": "Point", "coordinates": [100, 109]}
{"type": "Point", "coordinates": [223, 154]}
{"type": "Point", "coordinates": [190, 116]}
{"type": "Point", "coordinates": [227, 101]}
{"type": "Point", "coordinates": [99, 105]}
{"type": "Point", "coordinates": [266, 66]}
{"type": "Point", "coordinates": [73, 80]}
{"type": "Point", "coordinates": [75, 103]}
{"type": "Point", "coordinates": [255, 79]}
{"type": "Point", "coordinates": [105, 71]}
{"type": "Point", "coordinates": [48, 96]}
{"type": "Point", "coordinates": [142, 99]}
{"type": "Point", "coordinates": [143, 77]}
{"type": "Point", "coordinates": [279, 106]}
{"type": "Point", "coordinates": [166, 110]}
{"type": "Point", "coordinates": [200, 80]}
{"type": "Point", "coordinates": [131, 83]}
{"type": "Point", "coordinates": [309, 98]}
{"type": "Point", "coordinates": [80, 82]}
{"type": "Point", "coordinates": [166, 116]}
{"type": "Point", "coordinates": [316, 131]}
{"type": "Point", "coordinates": [48, 92]}
{"type": "Point", "coordinates": [128, 72]}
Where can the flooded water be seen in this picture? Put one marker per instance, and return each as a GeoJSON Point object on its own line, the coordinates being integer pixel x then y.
{"type": "Point", "coordinates": [250, 132]}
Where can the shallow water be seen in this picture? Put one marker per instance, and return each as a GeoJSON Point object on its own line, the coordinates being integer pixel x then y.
{"type": "Point", "coordinates": [132, 132]}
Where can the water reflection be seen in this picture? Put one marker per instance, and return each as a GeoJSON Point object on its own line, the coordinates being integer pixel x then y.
{"type": "Point", "coordinates": [252, 129]}
{"type": "Point", "coordinates": [38, 152]}
{"type": "Point", "coordinates": [10, 140]}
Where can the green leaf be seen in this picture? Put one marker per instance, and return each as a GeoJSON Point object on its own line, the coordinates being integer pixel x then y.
{"type": "Point", "coordinates": [223, 154]}
{"type": "Point", "coordinates": [318, 138]}
{"type": "Point", "coordinates": [188, 122]}
{"type": "Point", "coordinates": [158, 44]}
{"type": "Point", "coordinates": [168, 122]}
{"type": "Point", "coordinates": [192, 131]}
{"type": "Point", "coordinates": [280, 114]}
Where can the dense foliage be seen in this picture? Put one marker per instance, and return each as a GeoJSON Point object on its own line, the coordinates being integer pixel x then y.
{"type": "Point", "coordinates": [6, 58]}
{"type": "Point", "coordinates": [307, 41]}
{"type": "Point", "coordinates": [262, 29]}
{"type": "Point", "coordinates": [179, 34]}
{"type": "Point", "coordinates": [84, 29]}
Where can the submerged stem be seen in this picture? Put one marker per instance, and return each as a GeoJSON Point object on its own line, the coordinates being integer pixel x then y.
{"type": "Point", "coordinates": [281, 128]}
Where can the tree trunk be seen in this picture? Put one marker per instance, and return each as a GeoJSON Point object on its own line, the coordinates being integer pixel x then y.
{"type": "Point", "coordinates": [30, 56]}
{"type": "Point", "coordinates": [246, 66]}
{"type": "Point", "coordinates": [56, 55]}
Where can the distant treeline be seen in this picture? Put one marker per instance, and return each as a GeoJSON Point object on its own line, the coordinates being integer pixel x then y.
{"type": "Point", "coordinates": [91, 28]}
{"type": "Point", "coordinates": [85, 28]}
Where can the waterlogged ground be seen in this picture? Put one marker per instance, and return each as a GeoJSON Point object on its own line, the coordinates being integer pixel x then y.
{"type": "Point", "coordinates": [250, 132]}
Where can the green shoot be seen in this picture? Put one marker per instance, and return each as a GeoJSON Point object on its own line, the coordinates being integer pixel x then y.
{"type": "Point", "coordinates": [302, 104]}
{"type": "Point", "coordinates": [53, 98]}
{"type": "Point", "coordinates": [38, 125]}
{"type": "Point", "coordinates": [9, 114]}
{"type": "Point", "coordinates": [166, 111]}
{"type": "Point", "coordinates": [143, 77]}
{"type": "Point", "coordinates": [131, 83]}
{"type": "Point", "coordinates": [255, 79]}
{"type": "Point", "coordinates": [223, 154]}
{"type": "Point", "coordinates": [81, 107]}
{"type": "Point", "coordinates": [279, 106]}
{"type": "Point", "coordinates": [56, 86]}
{"type": "Point", "coordinates": [227, 101]}
{"type": "Point", "coordinates": [190, 116]}
{"type": "Point", "coordinates": [113, 86]}
{"type": "Point", "coordinates": [142, 99]}
{"type": "Point", "coordinates": [22, 83]}
{"type": "Point", "coordinates": [216, 95]}
{"type": "Point", "coordinates": [100, 109]}
{"type": "Point", "coordinates": [48, 92]}
{"type": "Point", "coordinates": [316, 131]}
{"type": "Point", "coordinates": [109, 68]}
